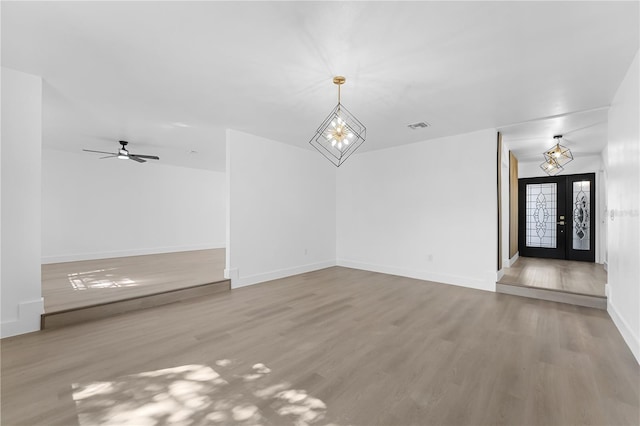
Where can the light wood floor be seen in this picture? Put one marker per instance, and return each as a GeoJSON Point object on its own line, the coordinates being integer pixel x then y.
{"type": "Point", "coordinates": [554, 274]}
{"type": "Point", "coordinates": [75, 284]}
{"type": "Point", "coordinates": [337, 346]}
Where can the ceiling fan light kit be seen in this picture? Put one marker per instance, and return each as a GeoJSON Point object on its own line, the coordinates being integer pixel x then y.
{"type": "Point", "coordinates": [124, 154]}
{"type": "Point", "coordinates": [340, 134]}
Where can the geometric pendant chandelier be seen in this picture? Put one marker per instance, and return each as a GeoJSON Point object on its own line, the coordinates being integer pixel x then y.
{"type": "Point", "coordinates": [551, 167]}
{"type": "Point", "coordinates": [556, 157]}
{"type": "Point", "coordinates": [340, 134]}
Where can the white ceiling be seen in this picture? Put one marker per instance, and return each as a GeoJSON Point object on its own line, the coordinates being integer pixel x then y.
{"type": "Point", "coordinates": [584, 132]}
{"type": "Point", "coordinates": [170, 76]}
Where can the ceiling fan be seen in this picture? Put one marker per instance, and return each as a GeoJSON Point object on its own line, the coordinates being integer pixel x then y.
{"type": "Point", "coordinates": [124, 154]}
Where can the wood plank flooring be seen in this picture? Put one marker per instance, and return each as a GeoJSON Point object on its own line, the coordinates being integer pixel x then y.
{"type": "Point", "coordinates": [71, 285]}
{"type": "Point", "coordinates": [337, 346]}
{"type": "Point", "coordinates": [555, 274]}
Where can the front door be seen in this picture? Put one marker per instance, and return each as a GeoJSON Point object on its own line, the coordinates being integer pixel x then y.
{"type": "Point", "coordinates": [557, 217]}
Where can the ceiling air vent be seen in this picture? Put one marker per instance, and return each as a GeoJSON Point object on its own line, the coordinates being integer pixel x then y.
{"type": "Point", "coordinates": [420, 125]}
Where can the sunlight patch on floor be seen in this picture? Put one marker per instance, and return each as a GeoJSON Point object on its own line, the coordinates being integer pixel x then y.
{"type": "Point", "coordinates": [98, 279]}
{"type": "Point", "coordinates": [196, 394]}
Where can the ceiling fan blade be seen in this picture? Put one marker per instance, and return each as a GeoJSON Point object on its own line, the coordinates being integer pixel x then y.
{"type": "Point", "coordinates": [150, 157]}
{"type": "Point", "coordinates": [108, 156]}
{"type": "Point", "coordinates": [134, 158]}
{"type": "Point", "coordinates": [99, 152]}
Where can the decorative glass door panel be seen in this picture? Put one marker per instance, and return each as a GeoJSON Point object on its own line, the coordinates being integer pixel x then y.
{"type": "Point", "coordinates": [581, 235]}
{"type": "Point", "coordinates": [581, 216]}
{"type": "Point", "coordinates": [541, 214]}
{"type": "Point", "coordinates": [541, 207]}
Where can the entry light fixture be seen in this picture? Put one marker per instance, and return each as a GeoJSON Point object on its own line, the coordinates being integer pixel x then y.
{"type": "Point", "coordinates": [560, 153]}
{"type": "Point", "coordinates": [340, 134]}
{"type": "Point", "coordinates": [551, 166]}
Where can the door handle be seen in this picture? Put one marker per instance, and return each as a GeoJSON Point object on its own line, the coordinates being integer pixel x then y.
{"type": "Point", "coordinates": [561, 222]}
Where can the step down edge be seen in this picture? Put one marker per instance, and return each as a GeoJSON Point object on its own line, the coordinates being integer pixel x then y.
{"type": "Point", "coordinates": [67, 317]}
{"type": "Point", "coordinates": [553, 296]}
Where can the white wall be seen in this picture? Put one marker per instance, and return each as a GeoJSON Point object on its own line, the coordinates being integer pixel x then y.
{"type": "Point", "coordinates": [94, 208]}
{"type": "Point", "coordinates": [426, 210]}
{"type": "Point", "coordinates": [20, 220]}
{"type": "Point", "coordinates": [623, 178]}
{"type": "Point", "coordinates": [282, 210]}
{"type": "Point", "coordinates": [603, 210]}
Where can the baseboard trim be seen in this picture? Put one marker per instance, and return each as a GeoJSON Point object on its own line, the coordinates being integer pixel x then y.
{"type": "Point", "coordinates": [623, 327]}
{"type": "Point", "coordinates": [28, 319]}
{"type": "Point", "coordinates": [125, 253]}
{"type": "Point", "coordinates": [280, 273]}
{"type": "Point", "coordinates": [509, 263]}
{"type": "Point", "coordinates": [231, 274]}
{"type": "Point", "coordinates": [488, 284]}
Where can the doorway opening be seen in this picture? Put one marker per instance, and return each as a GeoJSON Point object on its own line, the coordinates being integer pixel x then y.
{"type": "Point", "coordinates": [556, 217]}
{"type": "Point", "coordinates": [557, 242]}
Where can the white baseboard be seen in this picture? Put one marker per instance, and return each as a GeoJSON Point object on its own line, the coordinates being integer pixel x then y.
{"type": "Point", "coordinates": [509, 263]}
{"type": "Point", "coordinates": [280, 273]}
{"type": "Point", "coordinates": [500, 274]}
{"type": "Point", "coordinates": [488, 284]}
{"type": "Point", "coordinates": [627, 334]}
{"type": "Point", "coordinates": [231, 274]}
{"type": "Point", "coordinates": [125, 253]}
{"type": "Point", "coordinates": [28, 319]}
{"type": "Point", "coordinates": [605, 265]}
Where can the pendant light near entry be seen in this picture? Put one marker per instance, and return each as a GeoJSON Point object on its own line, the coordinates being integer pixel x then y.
{"type": "Point", "coordinates": [556, 156]}
{"type": "Point", "coordinates": [340, 134]}
{"type": "Point", "coordinates": [551, 167]}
